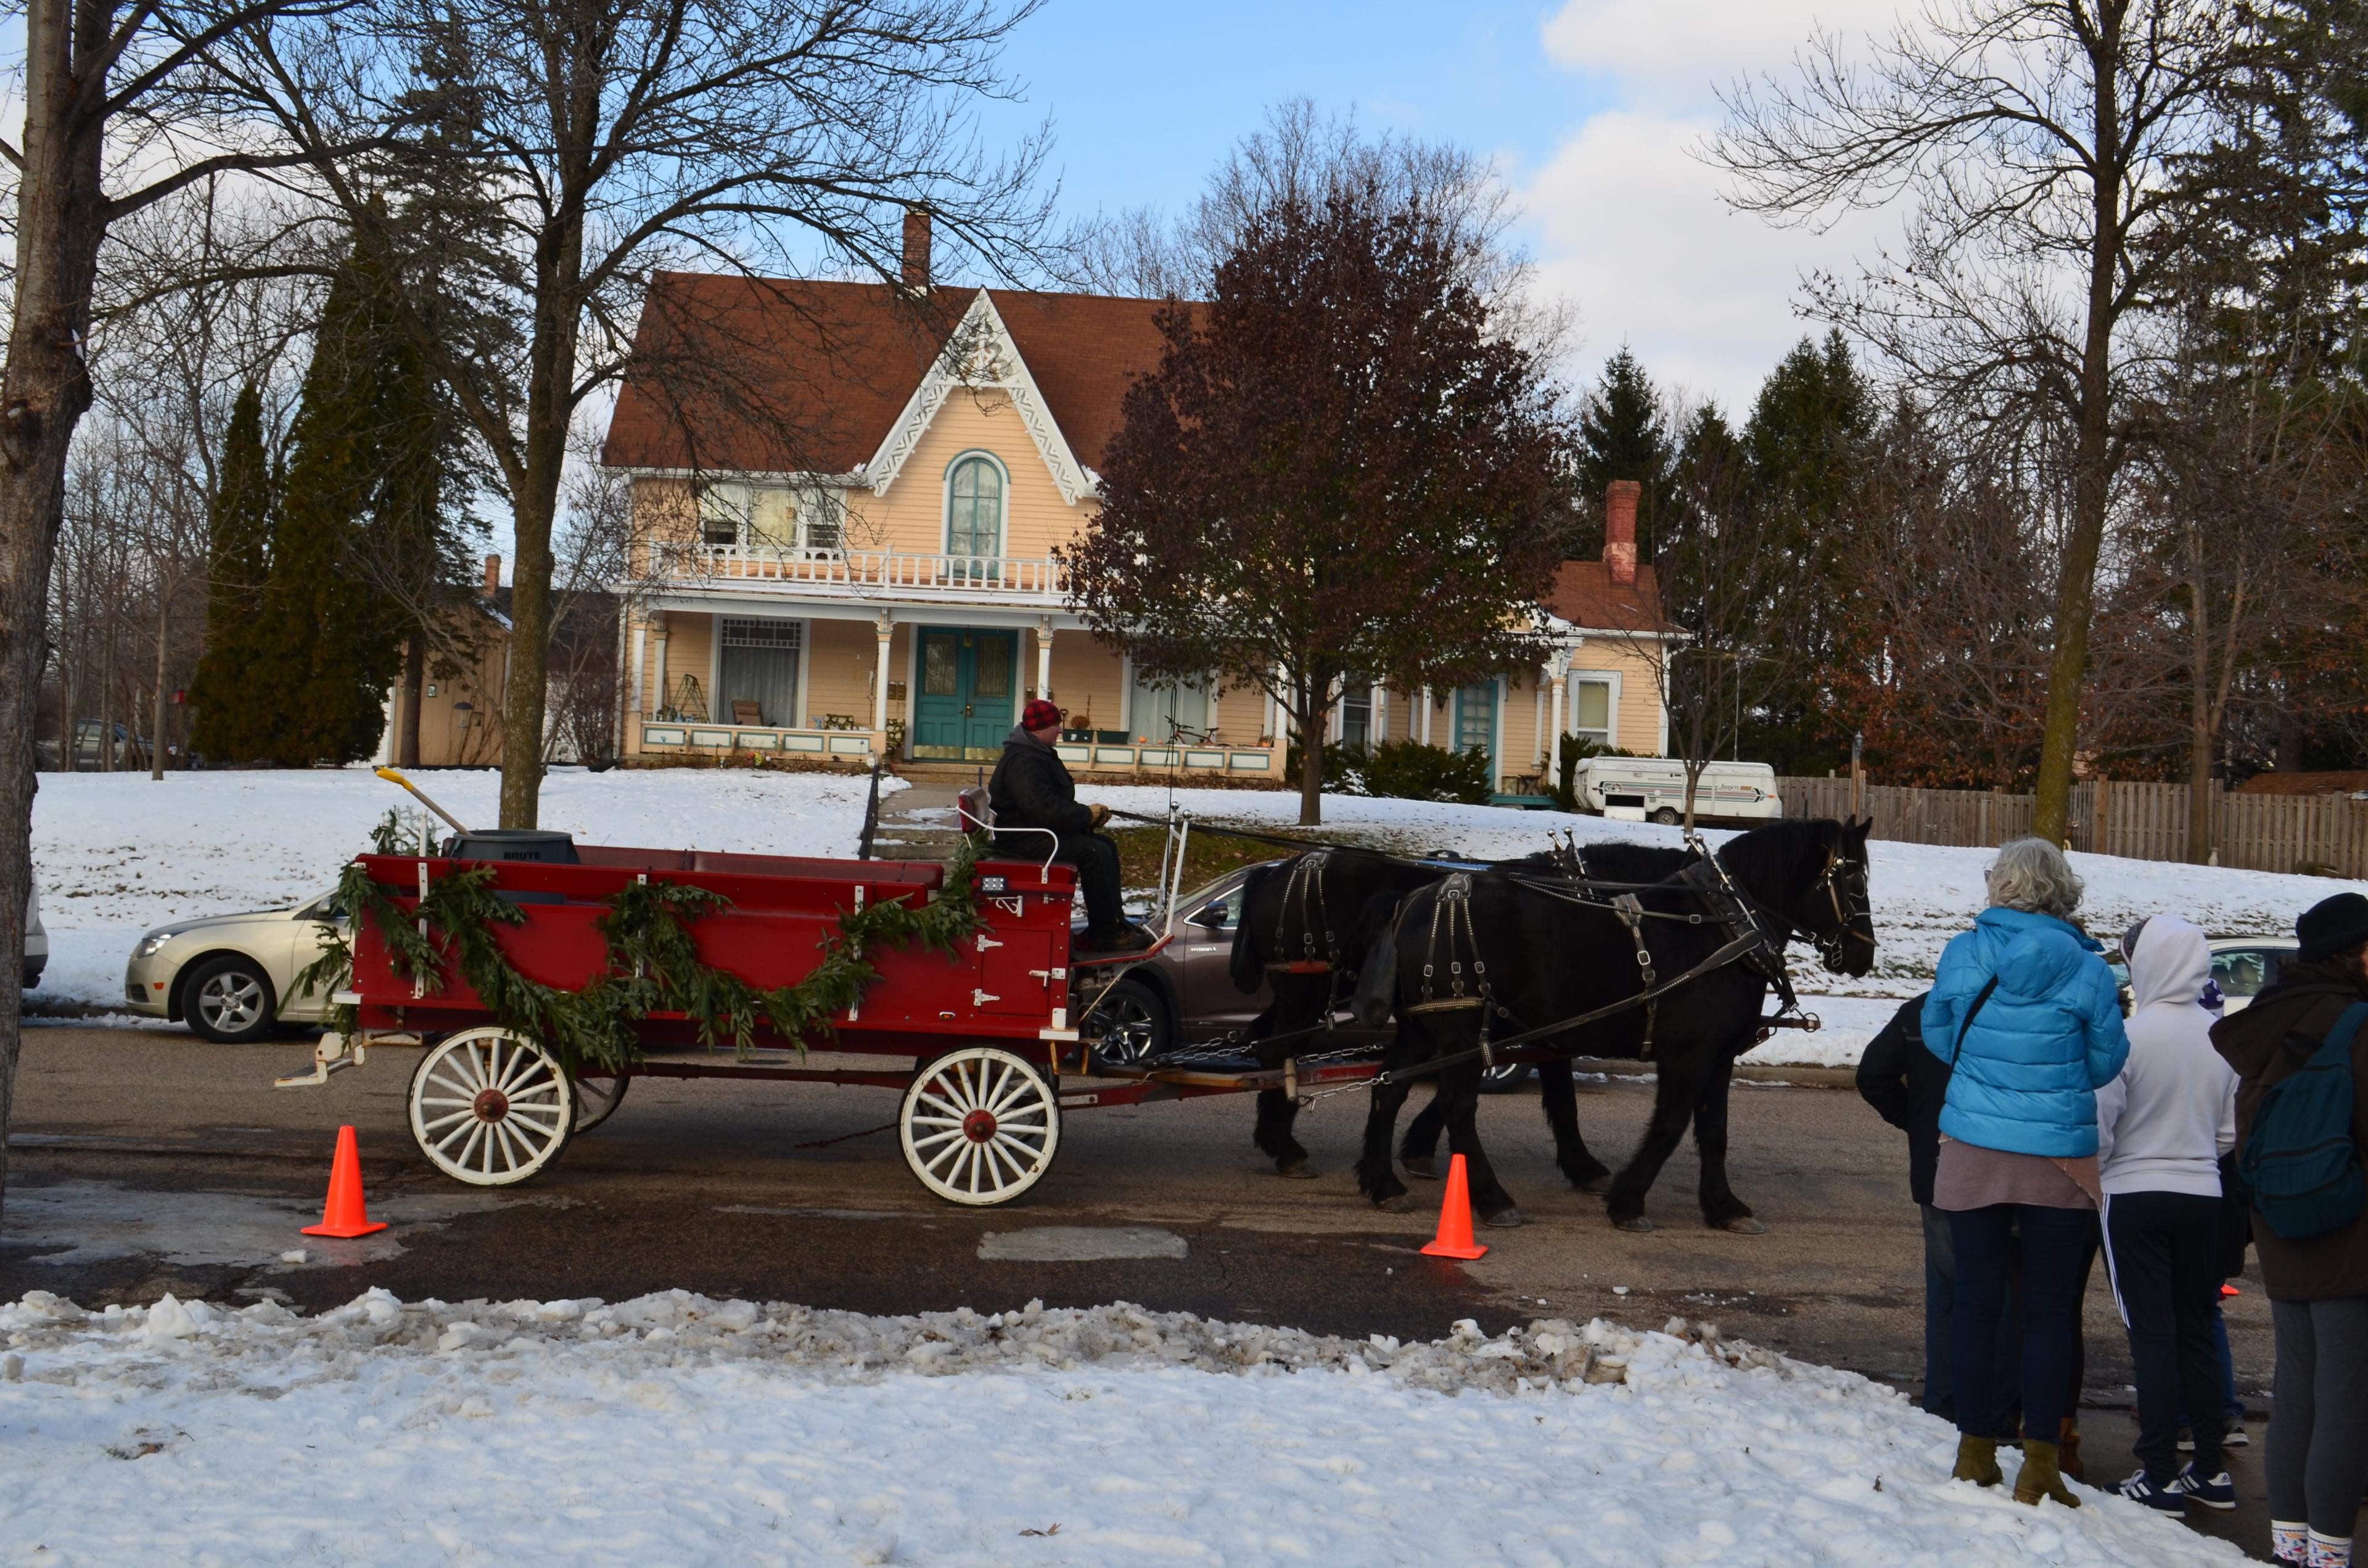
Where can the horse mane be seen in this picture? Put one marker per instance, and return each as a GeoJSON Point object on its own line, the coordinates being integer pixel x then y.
{"type": "Point", "coordinates": [1777, 859]}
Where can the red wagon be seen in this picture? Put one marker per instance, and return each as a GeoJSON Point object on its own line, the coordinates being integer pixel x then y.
{"type": "Point", "coordinates": [992, 1041]}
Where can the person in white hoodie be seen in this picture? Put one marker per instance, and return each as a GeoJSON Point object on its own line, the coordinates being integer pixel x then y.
{"type": "Point", "coordinates": [2162, 1126]}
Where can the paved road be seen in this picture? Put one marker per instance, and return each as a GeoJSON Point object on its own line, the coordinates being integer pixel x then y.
{"type": "Point", "coordinates": [147, 1161]}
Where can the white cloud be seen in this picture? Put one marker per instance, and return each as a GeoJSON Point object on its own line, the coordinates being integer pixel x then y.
{"type": "Point", "coordinates": [1626, 221]}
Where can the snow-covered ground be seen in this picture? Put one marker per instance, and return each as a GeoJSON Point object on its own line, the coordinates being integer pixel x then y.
{"type": "Point", "coordinates": [1923, 894]}
{"type": "Point", "coordinates": [676, 1429]}
{"type": "Point", "coordinates": [117, 853]}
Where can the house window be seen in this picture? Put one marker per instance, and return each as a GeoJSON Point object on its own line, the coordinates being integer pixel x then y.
{"type": "Point", "coordinates": [758, 665]}
{"type": "Point", "coordinates": [1357, 715]}
{"type": "Point", "coordinates": [1590, 710]}
{"type": "Point", "coordinates": [1476, 719]}
{"type": "Point", "coordinates": [821, 523]}
{"type": "Point", "coordinates": [722, 512]}
{"type": "Point", "coordinates": [1159, 714]}
{"type": "Point", "coordinates": [974, 517]}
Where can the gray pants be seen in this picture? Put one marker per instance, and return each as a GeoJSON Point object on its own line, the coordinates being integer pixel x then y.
{"type": "Point", "coordinates": [2317, 1454]}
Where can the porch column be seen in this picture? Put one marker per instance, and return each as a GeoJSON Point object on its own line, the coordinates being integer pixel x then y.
{"type": "Point", "coordinates": [1559, 672]}
{"type": "Point", "coordinates": [1538, 722]}
{"type": "Point", "coordinates": [886, 626]}
{"type": "Point", "coordinates": [658, 661]}
{"type": "Point", "coordinates": [1378, 730]}
{"type": "Point", "coordinates": [1425, 715]}
{"type": "Point", "coordinates": [1044, 658]}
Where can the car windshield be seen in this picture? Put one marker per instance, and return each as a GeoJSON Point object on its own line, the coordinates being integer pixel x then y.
{"type": "Point", "coordinates": [2238, 971]}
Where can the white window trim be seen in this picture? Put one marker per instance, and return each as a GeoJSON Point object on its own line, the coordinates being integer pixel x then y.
{"type": "Point", "coordinates": [715, 665]}
{"type": "Point", "coordinates": [1570, 704]}
{"type": "Point", "coordinates": [946, 502]}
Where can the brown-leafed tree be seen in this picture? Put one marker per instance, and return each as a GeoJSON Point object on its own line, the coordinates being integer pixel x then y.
{"type": "Point", "coordinates": [1346, 465]}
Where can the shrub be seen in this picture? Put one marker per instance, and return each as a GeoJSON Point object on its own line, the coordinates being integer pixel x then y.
{"type": "Point", "coordinates": [1412, 771]}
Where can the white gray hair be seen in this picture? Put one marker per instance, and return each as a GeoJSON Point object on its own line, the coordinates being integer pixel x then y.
{"type": "Point", "coordinates": [2032, 875]}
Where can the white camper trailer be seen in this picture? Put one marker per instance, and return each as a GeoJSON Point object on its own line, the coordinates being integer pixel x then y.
{"type": "Point", "coordinates": [1653, 788]}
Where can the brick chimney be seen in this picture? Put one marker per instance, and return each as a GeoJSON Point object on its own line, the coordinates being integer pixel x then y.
{"type": "Point", "coordinates": [493, 576]}
{"type": "Point", "coordinates": [1620, 529]}
{"type": "Point", "coordinates": [916, 248]}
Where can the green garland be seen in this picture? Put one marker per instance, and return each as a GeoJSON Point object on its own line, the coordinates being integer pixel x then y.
{"type": "Point", "coordinates": [651, 965]}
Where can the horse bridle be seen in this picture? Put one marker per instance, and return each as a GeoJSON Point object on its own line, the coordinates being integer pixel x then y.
{"type": "Point", "coordinates": [1830, 947]}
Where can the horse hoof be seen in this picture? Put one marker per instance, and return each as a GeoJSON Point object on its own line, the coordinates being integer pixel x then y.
{"type": "Point", "coordinates": [1504, 1220]}
{"type": "Point", "coordinates": [1423, 1165]}
{"type": "Point", "coordinates": [1638, 1223]}
{"type": "Point", "coordinates": [1297, 1170]}
{"type": "Point", "coordinates": [1744, 1226]}
{"type": "Point", "coordinates": [1400, 1204]}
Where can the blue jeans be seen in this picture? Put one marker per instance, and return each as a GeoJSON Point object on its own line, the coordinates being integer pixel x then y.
{"type": "Point", "coordinates": [1940, 1306]}
{"type": "Point", "coordinates": [2055, 1246]}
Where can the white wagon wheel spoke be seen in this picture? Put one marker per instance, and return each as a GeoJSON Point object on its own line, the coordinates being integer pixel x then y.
{"type": "Point", "coordinates": [489, 1107]}
{"type": "Point", "coordinates": [980, 1125]}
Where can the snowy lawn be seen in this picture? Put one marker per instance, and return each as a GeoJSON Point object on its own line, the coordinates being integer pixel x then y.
{"type": "Point", "coordinates": [676, 1429]}
{"type": "Point", "coordinates": [1923, 895]}
{"type": "Point", "coordinates": [116, 853]}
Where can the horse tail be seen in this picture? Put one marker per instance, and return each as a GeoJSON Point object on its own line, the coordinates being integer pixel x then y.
{"type": "Point", "coordinates": [1246, 965]}
{"type": "Point", "coordinates": [1377, 983]}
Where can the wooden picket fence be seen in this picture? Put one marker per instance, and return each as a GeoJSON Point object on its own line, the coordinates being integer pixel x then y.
{"type": "Point", "coordinates": [2323, 835]}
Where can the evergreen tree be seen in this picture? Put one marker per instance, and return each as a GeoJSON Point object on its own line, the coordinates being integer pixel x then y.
{"type": "Point", "coordinates": [235, 690]}
{"type": "Point", "coordinates": [1623, 433]}
{"type": "Point", "coordinates": [1809, 443]}
{"type": "Point", "coordinates": [332, 634]}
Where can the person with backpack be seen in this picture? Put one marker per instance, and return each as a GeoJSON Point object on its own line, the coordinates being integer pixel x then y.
{"type": "Point", "coordinates": [2029, 1018]}
{"type": "Point", "coordinates": [1906, 1086]}
{"type": "Point", "coordinates": [2301, 1058]}
{"type": "Point", "coordinates": [2162, 1125]}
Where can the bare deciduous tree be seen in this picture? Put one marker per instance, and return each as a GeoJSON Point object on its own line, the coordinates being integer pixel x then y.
{"type": "Point", "coordinates": [567, 153]}
{"type": "Point", "coordinates": [2035, 139]}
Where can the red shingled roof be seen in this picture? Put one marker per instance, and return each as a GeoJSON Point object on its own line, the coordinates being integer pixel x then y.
{"type": "Point", "coordinates": [787, 376]}
{"type": "Point", "coordinates": [1585, 595]}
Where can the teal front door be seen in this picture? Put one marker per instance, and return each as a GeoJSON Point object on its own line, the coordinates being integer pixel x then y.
{"type": "Point", "coordinates": [963, 709]}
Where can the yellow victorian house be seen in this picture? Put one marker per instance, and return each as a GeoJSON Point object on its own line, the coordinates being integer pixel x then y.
{"type": "Point", "coordinates": [847, 501]}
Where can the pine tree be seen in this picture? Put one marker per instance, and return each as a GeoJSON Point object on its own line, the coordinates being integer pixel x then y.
{"type": "Point", "coordinates": [235, 690]}
{"type": "Point", "coordinates": [330, 632]}
{"type": "Point", "coordinates": [1623, 433]}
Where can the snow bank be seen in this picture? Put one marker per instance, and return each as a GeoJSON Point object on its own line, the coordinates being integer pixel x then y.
{"type": "Point", "coordinates": [117, 853]}
{"type": "Point", "coordinates": [679, 1428]}
{"type": "Point", "coordinates": [1923, 894]}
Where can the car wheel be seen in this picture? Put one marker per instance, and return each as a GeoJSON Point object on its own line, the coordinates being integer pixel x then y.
{"type": "Point", "coordinates": [1504, 1078]}
{"type": "Point", "coordinates": [1668, 816]}
{"type": "Point", "coordinates": [1131, 1026]}
{"type": "Point", "coordinates": [229, 999]}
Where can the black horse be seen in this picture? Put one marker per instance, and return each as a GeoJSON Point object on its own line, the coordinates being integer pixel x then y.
{"type": "Point", "coordinates": [1508, 944]}
{"type": "Point", "coordinates": [1304, 927]}
{"type": "Point", "coordinates": [1609, 860]}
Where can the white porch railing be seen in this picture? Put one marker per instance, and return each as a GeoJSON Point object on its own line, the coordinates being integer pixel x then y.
{"type": "Point", "coordinates": [861, 574]}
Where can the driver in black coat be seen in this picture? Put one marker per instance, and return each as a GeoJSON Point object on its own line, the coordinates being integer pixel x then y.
{"type": "Point", "coordinates": [1031, 789]}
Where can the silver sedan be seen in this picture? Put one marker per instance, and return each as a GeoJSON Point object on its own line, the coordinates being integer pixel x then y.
{"type": "Point", "coordinates": [232, 977]}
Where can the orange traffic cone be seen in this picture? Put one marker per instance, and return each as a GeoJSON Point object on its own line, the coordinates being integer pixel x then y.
{"type": "Point", "coordinates": [344, 1216]}
{"type": "Point", "coordinates": [1454, 1238]}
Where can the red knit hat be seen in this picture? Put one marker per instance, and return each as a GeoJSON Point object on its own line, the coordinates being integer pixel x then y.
{"type": "Point", "coordinates": [1038, 715]}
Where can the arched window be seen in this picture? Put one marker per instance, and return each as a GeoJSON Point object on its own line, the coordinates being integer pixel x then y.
{"type": "Point", "coordinates": [974, 509]}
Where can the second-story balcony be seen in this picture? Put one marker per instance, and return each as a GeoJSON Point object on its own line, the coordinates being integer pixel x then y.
{"type": "Point", "coordinates": [860, 574]}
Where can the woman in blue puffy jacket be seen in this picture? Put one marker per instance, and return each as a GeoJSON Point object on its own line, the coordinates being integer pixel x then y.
{"type": "Point", "coordinates": [2030, 1016]}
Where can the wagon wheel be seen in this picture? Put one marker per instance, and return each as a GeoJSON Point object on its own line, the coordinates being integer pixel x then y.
{"type": "Point", "coordinates": [980, 1125]}
{"type": "Point", "coordinates": [596, 1100]}
{"type": "Point", "coordinates": [490, 1107]}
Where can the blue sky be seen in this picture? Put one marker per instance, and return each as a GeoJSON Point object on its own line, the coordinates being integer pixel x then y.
{"type": "Point", "coordinates": [1589, 107]}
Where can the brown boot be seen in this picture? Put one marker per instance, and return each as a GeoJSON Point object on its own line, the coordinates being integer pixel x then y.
{"type": "Point", "coordinates": [2040, 1476]}
{"type": "Point", "coordinates": [2067, 1450]}
{"type": "Point", "coordinates": [1977, 1462]}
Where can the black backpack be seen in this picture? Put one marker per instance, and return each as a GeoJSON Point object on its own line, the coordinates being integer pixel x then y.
{"type": "Point", "coordinates": [2301, 1160]}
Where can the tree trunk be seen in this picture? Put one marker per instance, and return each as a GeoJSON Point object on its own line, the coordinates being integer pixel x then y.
{"type": "Point", "coordinates": [1311, 716]}
{"type": "Point", "coordinates": [415, 692]}
{"type": "Point", "coordinates": [2076, 583]}
{"type": "Point", "coordinates": [2199, 713]}
{"type": "Point", "coordinates": [559, 265]}
{"type": "Point", "coordinates": [156, 728]}
{"type": "Point", "coordinates": [2289, 755]}
{"type": "Point", "coordinates": [44, 390]}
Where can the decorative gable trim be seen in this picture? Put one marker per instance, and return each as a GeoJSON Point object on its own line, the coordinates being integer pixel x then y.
{"type": "Point", "coordinates": [979, 355]}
